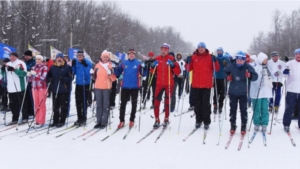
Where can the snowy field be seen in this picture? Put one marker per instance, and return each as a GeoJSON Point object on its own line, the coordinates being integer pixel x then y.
{"type": "Point", "coordinates": [170, 152]}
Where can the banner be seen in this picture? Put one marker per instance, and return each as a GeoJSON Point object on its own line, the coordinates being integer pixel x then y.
{"type": "Point", "coordinates": [33, 50]}
{"type": "Point", "coordinates": [5, 50]}
{"type": "Point", "coordinates": [53, 52]}
{"type": "Point", "coordinates": [87, 56]}
{"type": "Point", "coordinates": [121, 56]}
{"type": "Point", "coordinates": [72, 53]}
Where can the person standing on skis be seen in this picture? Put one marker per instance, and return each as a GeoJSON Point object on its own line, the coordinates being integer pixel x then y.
{"type": "Point", "coordinates": [81, 69]}
{"type": "Point", "coordinates": [165, 67]}
{"type": "Point", "coordinates": [260, 92]}
{"type": "Point", "coordinates": [276, 66]}
{"type": "Point", "coordinates": [237, 73]}
{"type": "Point", "coordinates": [131, 70]}
{"type": "Point", "coordinates": [147, 82]}
{"type": "Point", "coordinates": [219, 87]}
{"type": "Point", "coordinates": [180, 80]}
{"type": "Point", "coordinates": [292, 98]}
{"type": "Point", "coordinates": [203, 66]}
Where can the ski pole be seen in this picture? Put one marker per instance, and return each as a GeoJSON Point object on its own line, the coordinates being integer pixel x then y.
{"type": "Point", "coordinates": [141, 81]}
{"type": "Point", "coordinates": [273, 111]}
{"type": "Point", "coordinates": [53, 106]}
{"type": "Point", "coordinates": [247, 80]}
{"type": "Point", "coordinates": [256, 102]}
{"type": "Point", "coordinates": [216, 92]}
{"type": "Point", "coordinates": [182, 100]}
{"type": "Point", "coordinates": [37, 111]}
{"type": "Point", "coordinates": [169, 81]}
{"type": "Point", "coordinates": [228, 85]}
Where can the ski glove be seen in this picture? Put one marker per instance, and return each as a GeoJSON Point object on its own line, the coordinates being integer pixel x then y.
{"type": "Point", "coordinates": [229, 78]}
{"type": "Point", "coordinates": [28, 74]}
{"type": "Point", "coordinates": [84, 63]}
{"type": "Point", "coordinates": [247, 74]}
{"type": "Point", "coordinates": [154, 64]}
{"type": "Point", "coordinates": [73, 62]}
{"type": "Point", "coordinates": [286, 59]}
{"type": "Point", "coordinates": [277, 73]}
{"type": "Point", "coordinates": [3, 68]}
{"type": "Point", "coordinates": [169, 62]}
{"type": "Point", "coordinates": [33, 73]}
{"type": "Point", "coordinates": [9, 68]}
{"type": "Point", "coordinates": [91, 71]}
{"type": "Point", "coordinates": [286, 71]}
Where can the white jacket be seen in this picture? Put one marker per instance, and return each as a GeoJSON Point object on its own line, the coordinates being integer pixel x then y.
{"type": "Point", "coordinates": [181, 64]}
{"type": "Point", "coordinates": [293, 79]}
{"type": "Point", "coordinates": [16, 82]}
{"type": "Point", "coordinates": [275, 67]}
{"type": "Point", "coordinates": [265, 89]}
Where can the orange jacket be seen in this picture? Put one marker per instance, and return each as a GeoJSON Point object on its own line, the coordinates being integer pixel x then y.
{"type": "Point", "coordinates": [102, 79]}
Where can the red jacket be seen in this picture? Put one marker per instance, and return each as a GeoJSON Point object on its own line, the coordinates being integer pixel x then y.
{"type": "Point", "coordinates": [162, 69]}
{"type": "Point", "coordinates": [202, 67]}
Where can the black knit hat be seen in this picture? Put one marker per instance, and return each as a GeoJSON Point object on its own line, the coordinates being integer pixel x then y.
{"type": "Point", "coordinates": [80, 53]}
{"type": "Point", "coordinates": [6, 60]}
{"type": "Point", "coordinates": [172, 54]}
{"type": "Point", "coordinates": [14, 54]}
{"type": "Point", "coordinates": [274, 54]}
{"type": "Point", "coordinates": [28, 53]}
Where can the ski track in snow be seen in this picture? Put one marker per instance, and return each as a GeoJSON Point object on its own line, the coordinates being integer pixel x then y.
{"type": "Point", "coordinates": [170, 151]}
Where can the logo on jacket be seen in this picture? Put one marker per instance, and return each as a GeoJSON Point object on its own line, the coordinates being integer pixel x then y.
{"type": "Point", "coordinates": [134, 67]}
{"type": "Point", "coordinates": [126, 66]}
{"type": "Point", "coordinates": [279, 67]}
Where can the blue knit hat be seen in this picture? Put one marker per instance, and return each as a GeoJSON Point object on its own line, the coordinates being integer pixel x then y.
{"type": "Point", "coordinates": [202, 44]}
{"type": "Point", "coordinates": [240, 56]}
{"type": "Point", "coordinates": [297, 51]}
{"type": "Point", "coordinates": [220, 49]}
{"type": "Point", "coordinates": [61, 55]}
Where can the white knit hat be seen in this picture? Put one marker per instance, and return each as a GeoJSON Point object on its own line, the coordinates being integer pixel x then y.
{"type": "Point", "coordinates": [39, 57]}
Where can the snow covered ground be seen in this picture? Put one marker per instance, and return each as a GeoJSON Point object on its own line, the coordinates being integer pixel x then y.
{"type": "Point", "coordinates": [170, 151]}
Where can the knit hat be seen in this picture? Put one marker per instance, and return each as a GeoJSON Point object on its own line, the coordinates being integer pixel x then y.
{"type": "Point", "coordinates": [6, 60]}
{"type": "Point", "coordinates": [28, 53]}
{"type": "Point", "coordinates": [172, 54]}
{"type": "Point", "coordinates": [14, 54]}
{"type": "Point", "coordinates": [61, 55]}
{"type": "Point", "coordinates": [105, 53]}
{"type": "Point", "coordinates": [297, 51]}
{"type": "Point", "coordinates": [151, 53]}
{"type": "Point", "coordinates": [165, 45]}
{"type": "Point", "coordinates": [79, 53]}
{"type": "Point", "coordinates": [274, 54]}
{"type": "Point", "coordinates": [202, 44]}
{"type": "Point", "coordinates": [220, 49]}
{"type": "Point", "coordinates": [131, 51]}
{"type": "Point", "coordinates": [39, 57]}
{"type": "Point", "coordinates": [240, 56]}
{"type": "Point", "coordinates": [253, 57]}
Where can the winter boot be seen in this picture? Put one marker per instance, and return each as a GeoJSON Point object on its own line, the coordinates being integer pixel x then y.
{"type": "Point", "coordinates": [121, 124]}
{"type": "Point", "coordinates": [198, 124]}
{"type": "Point", "coordinates": [243, 129]}
{"type": "Point", "coordinates": [191, 108]}
{"type": "Point", "coordinates": [206, 126]}
{"type": "Point", "coordinates": [131, 124]}
{"type": "Point", "coordinates": [233, 128]}
{"type": "Point", "coordinates": [156, 124]}
{"type": "Point", "coordinates": [53, 124]}
{"type": "Point", "coordinates": [256, 128]}
{"type": "Point", "coordinates": [12, 123]}
{"type": "Point", "coordinates": [78, 122]}
{"type": "Point", "coordinates": [287, 129]}
{"type": "Point", "coordinates": [102, 126]}
{"type": "Point", "coordinates": [166, 123]}
{"type": "Point", "coordinates": [264, 129]}
{"type": "Point", "coordinates": [97, 126]}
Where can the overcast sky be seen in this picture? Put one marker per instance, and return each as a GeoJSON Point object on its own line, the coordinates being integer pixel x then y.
{"type": "Point", "coordinates": [227, 24]}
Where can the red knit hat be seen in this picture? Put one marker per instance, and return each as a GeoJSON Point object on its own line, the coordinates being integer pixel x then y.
{"type": "Point", "coordinates": [151, 54]}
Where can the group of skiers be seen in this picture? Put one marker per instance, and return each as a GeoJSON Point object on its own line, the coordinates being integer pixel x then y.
{"type": "Point", "coordinates": [256, 77]}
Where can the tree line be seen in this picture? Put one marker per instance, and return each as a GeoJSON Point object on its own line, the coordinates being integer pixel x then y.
{"type": "Point", "coordinates": [95, 26]}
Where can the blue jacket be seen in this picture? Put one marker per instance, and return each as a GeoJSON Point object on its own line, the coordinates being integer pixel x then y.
{"type": "Point", "coordinates": [238, 84]}
{"type": "Point", "coordinates": [221, 73]}
{"type": "Point", "coordinates": [30, 63]}
{"type": "Point", "coordinates": [131, 70]}
{"type": "Point", "coordinates": [65, 84]}
{"type": "Point", "coordinates": [81, 72]}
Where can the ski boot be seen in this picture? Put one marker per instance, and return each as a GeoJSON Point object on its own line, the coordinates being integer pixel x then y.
{"type": "Point", "coordinates": [131, 124]}
{"type": "Point", "coordinates": [198, 124]}
{"type": "Point", "coordinates": [156, 124]}
{"type": "Point", "coordinates": [191, 108]}
{"type": "Point", "coordinates": [243, 129]}
{"type": "Point", "coordinates": [166, 123]}
{"type": "Point", "coordinates": [206, 126]}
{"type": "Point", "coordinates": [287, 129]}
{"type": "Point", "coordinates": [97, 126]}
{"type": "Point", "coordinates": [264, 129]}
{"type": "Point", "coordinates": [121, 124]}
{"type": "Point", "coordinates": [233, 128]}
